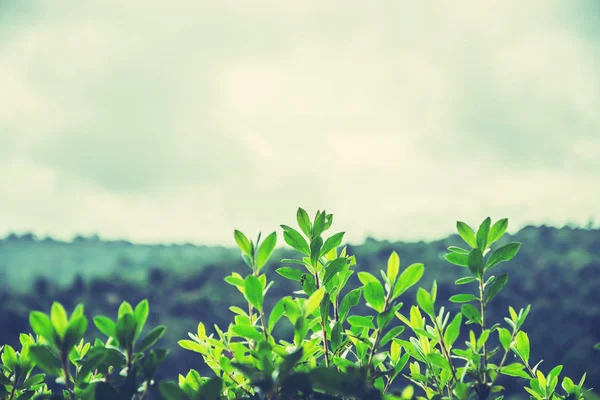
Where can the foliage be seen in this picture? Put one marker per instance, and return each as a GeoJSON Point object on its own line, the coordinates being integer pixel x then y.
{"type": "Point", "coordinates": [334, 351]}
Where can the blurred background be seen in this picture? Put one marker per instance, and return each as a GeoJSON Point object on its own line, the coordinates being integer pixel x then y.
{"type": "Point", "coordinates": [136, 136]}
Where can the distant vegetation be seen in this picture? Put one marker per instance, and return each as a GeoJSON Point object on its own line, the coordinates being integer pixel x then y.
{"type": "Point", "coordinates": [557, 271]}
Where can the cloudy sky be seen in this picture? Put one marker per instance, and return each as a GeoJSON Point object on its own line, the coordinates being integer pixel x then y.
{"type": "Point", "coordinates": [180, 120]}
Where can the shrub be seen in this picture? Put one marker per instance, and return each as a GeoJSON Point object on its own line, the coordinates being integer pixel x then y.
{"type": "Point", "coordinates": [331, 353]}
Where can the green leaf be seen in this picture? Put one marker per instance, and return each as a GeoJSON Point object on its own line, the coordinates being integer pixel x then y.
{"type": "Point", "coordinates": [393, 267]}
{"type": "Point", "coordinates": [243, 243]}
{"type": "Point", "coordinates": [482, 234]}
{"type": "Point", "coordinates": [462, 260]}
{"type": "Point", "coordinates": [58, 316]}
{"type": "Point", "coordinates": [303, 221]}
{"type": "Point", "coordinates": [171, 391]}
{"type": "Point", "coordinates": [375, 295]}
{"type": "Point", "coordinates": [105, 325]}
{"type": "Point", "coordinates": [466, 233]}
{"type": "Point", "coordinates": [504, 253]}
{"type": "Point", "coordinates": [42, 326]}
{"type": "Point", "coordinates": [314, 300]}
{"type": "Point", "coordinates": [496, 287]}
{"type": "Point", "coordinates": [515, 369]}
{"type": "Point", "coordinates": [476, 262]}
{"type": "Point", "coordinates": [315, 250]}
{"type": "Point", "coordinates": [293, 238]}
{"type": "Point", "coordinates": [465, 280]}
{"type": "Point", "coordinates": [265, 250]}
{"type": "Point", "coordinates": [125, 308]}
{"type": "Point", "coordinates": [360, 321]}
{"type": "Point", "coordinates": [458, 250]}
{"type": "Point", "coordinates": [276, 314]}
{"type": "Point", "coordinates": [409, 277]}
{"type": "Point", "coordinates": [125, 330]}
{"type": "Point", "coordinates": [425, 302]}
{"type": "Point", "coordinates": [438, 360]}
{"type": "Point", "coordinates": [308, 284]}
{"type": "Point", "coordinates": [471, 313]}
{"type": "Point", "coordinates": [9, 357]}
{"type": "Point", "coordinates": [290, 273]}
{"type": "Point", "coordinates": [151, 338]}
{"type": "Point", "coordinates": [247, 331]}
{"type": "Point", "coordinates": [75, 331]}
{"type": "Point", "coordinates": [463, 298]}
{"type": "Point", "coordinates": [253, 291]}
{"type": "Point", "coordinates": [497, 230]}
{"type": "Point", "coordinates": [319, 224]}
{"type": "Point", "coordinates": [333, 268]}
{"type": "Point", "coordinates": [453, 330]}
{"type": "Point", "coordinates": [504, 337]}
{"type": "Point", "coordinates": [332, 243]}
{"type": "Point", "coordinates": [366, 277]}
{"type": "Point", "coordinates": [391, 334]}
{"type": "Point", "coordinates": [45, 359]}
{"type": "Point", "coordinates": [351, 299]}
{"type": "Point", "coordinates": [522, 345]}
{"type": "Point", "coordinates": [141, 315]}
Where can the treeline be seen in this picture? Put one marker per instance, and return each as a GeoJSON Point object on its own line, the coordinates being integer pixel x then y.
{"type": "Point", "coordinates": [557, 271]}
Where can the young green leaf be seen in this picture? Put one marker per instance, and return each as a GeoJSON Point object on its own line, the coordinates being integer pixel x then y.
{"type": "Point", "coordinates": [497, 230]}
{"type": "Point", "coordinates": [315, 250]}
{"type": "Point", "coordinates": [351, 299]}
{"type": "Point", "coordinates": [303, 221]}
{"type": "Point", "coordinates": [42, 326]}
{"type": "Point", "coordinates": [140, 313]}
{"type": "Point", "coordinates": [483, 233]}
{"type": "Point", "coordinates": [408, 278]}
{"type": "Point", "coordinates": [391, 334]}
{"type": "Point", "coordinates": [290, 273]}
{"type": "Point", "coordinates": [243, 243]}
{"type": "Point", "coordinates": [393, 267]}
{"type": "Point", "coordinates": [253, 291]}
{"type": "Point", "coordinates": [375, 296]}
{"type": "Point", "coordinates": [332, 243]}
{"type": "Point", "coordinates": [453, 331]}
{"type": "Point", "coordinates": [522, 345]}
{"type": "Point", "coordinates": [462, 260]}
{"type": "Point", "coordinates": [58, 316]}
{"type": "Point", "coordinates": [425, 302]}
{"type": "Point", "coordinates": [465, 280]}
{"type": "Point", "coordinates": [463, 298]}
{"type": "Point", "coordinates": [471, 313]}
{"type": "Point", "coordinates": [496, 287]}
{"type": "Point", "coordinates": [466, 233]}
{"type": "Point", "coordinates": [360, 321]}
{"type": "Point", "coordinates": [333, 268]}
{"type": "Point", "coordinates": [314, 301]}
{"type": "Point", "coordinates": [293, 238]}
{"type": "Point", "coordinates": [476, 262]}
{"type": "Point", "coordinates": [504, 337]}
{"type": "Point", "coordinates": [265, 250]}
{"type": "Point", "coordinates": [504, 253]}
{"type": "Point", "coordinates": [151, 338]}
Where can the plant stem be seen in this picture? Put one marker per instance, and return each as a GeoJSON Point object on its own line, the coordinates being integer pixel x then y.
{"type": "Point", "coordinates": [14, 388]}
{"type": "Point", "coordinates": [445, 349]}
{"type": "Point", "coordinates": [65, 366]}
{"type": "Point", "coordinates": [482, 304]}
{"type": "Point", "coordinates": [504, 357]}
{"type": "Point", "coordinates": [323, 327]}
{"type": "Point", "coordinates": [264, 325]}
{"type": "Point", "coordinates": [378, 331]}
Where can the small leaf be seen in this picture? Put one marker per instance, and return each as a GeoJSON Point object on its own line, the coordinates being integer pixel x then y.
{"type": "Point", "coordinates": [522, 345]}
{"type": "Point", "coordinates": [140, 313]}
{"type": "Point", "coordinates": [462, 260]}
{"type": "Point", "coordinates": [504, 337]}
{"type": "Point", "coordinates": [315, 250]}
{"type": "Point", "coordinates": [105, 325]}
{"type": "Point", "coordinates": [458, 250]}
{"type": "Point", "coordinates": [45, 359]}
{"type": "Point", "coordinates": [425, 302]}
{"type": "Point", "coordinates": [471, 313]}
{"type": "Point", "coordinates": [393, 267]}
{"type": "Point", "coordinates": [408, 278]}
{"type": "Point", "coordinates": [465, 280]}
{"type": "Point", "coordinates": [58, 316]}
{"type": "Point", "coordinates": [333, 268]}
{"type": "Point", "coordinates": [391, 334]}
{"type": "Point", "coordinates": [360, 321]}
{"type": "Point", "coordinates": [375, 295]}
{"type": "Point", "coordinates": [476, 262]}
{"type": "Point", "coordinates": [42, 326]}
{"type": "Point", "coordinates": [515, 369]}
{"type": "Point", "coordinates": [290, 273]}
{"type": "Point", "coordinates": [496, 287]}
{"type": "Point", "coordinates": [314, 300]}
{"type": "Point", "coordinates": [151, 338]}
{"type": "Point", "coordinates": [463, 298]}
{"type": "Point", "coordinates": [276, 314]}
{"type": "Point", "coordinates": [497, 230]}
{"type": "Point", "coordinates": [466, 233]}
{"type": "Point", "coordinates": [253, 291]}
{"type": "Point", "coordinates": [482, 234]}
{"type": "Point", "coordinates": [265, 250]}
{"type": "Point", "coordinates": [243, 243]}
{"type": "Point", "coordinates": [351, 299]}
{"type": "Point", "coordinates": [332, 243]}
{"type": "Point", "coordinates": [504, 253]}
{"type": "Point", "coordinates": [303, 221]}
{"type": "Point", "coordinates": [293, 238]}
{"type": "Point", "coordinates": [453, 330]}
{"type": "Point", "coordinates": [247, 332]}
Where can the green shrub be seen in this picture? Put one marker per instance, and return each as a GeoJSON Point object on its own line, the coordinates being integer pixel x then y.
{"type": "Point", "coordinates": [331, 353]}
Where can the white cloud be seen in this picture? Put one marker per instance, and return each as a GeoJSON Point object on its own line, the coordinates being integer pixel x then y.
{"type": "Point", "coordinates": [181, 122]}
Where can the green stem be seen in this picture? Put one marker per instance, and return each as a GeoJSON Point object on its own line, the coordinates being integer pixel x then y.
{"type": "Point", "coordinates": [482, 307]}
{"type": "Point", "coordinates": [445, 351]}
{"type": "Point", "coordinates": [504, 357]}
{"type": "Point", "coordinates": [64, 359]}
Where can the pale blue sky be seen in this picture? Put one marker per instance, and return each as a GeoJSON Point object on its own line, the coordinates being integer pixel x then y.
{"type": "Point", "coordinates": [182, 120]}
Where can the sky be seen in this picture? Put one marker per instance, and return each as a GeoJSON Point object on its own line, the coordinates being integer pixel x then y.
{"type": "Point", "coordinates": [181, 121]}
